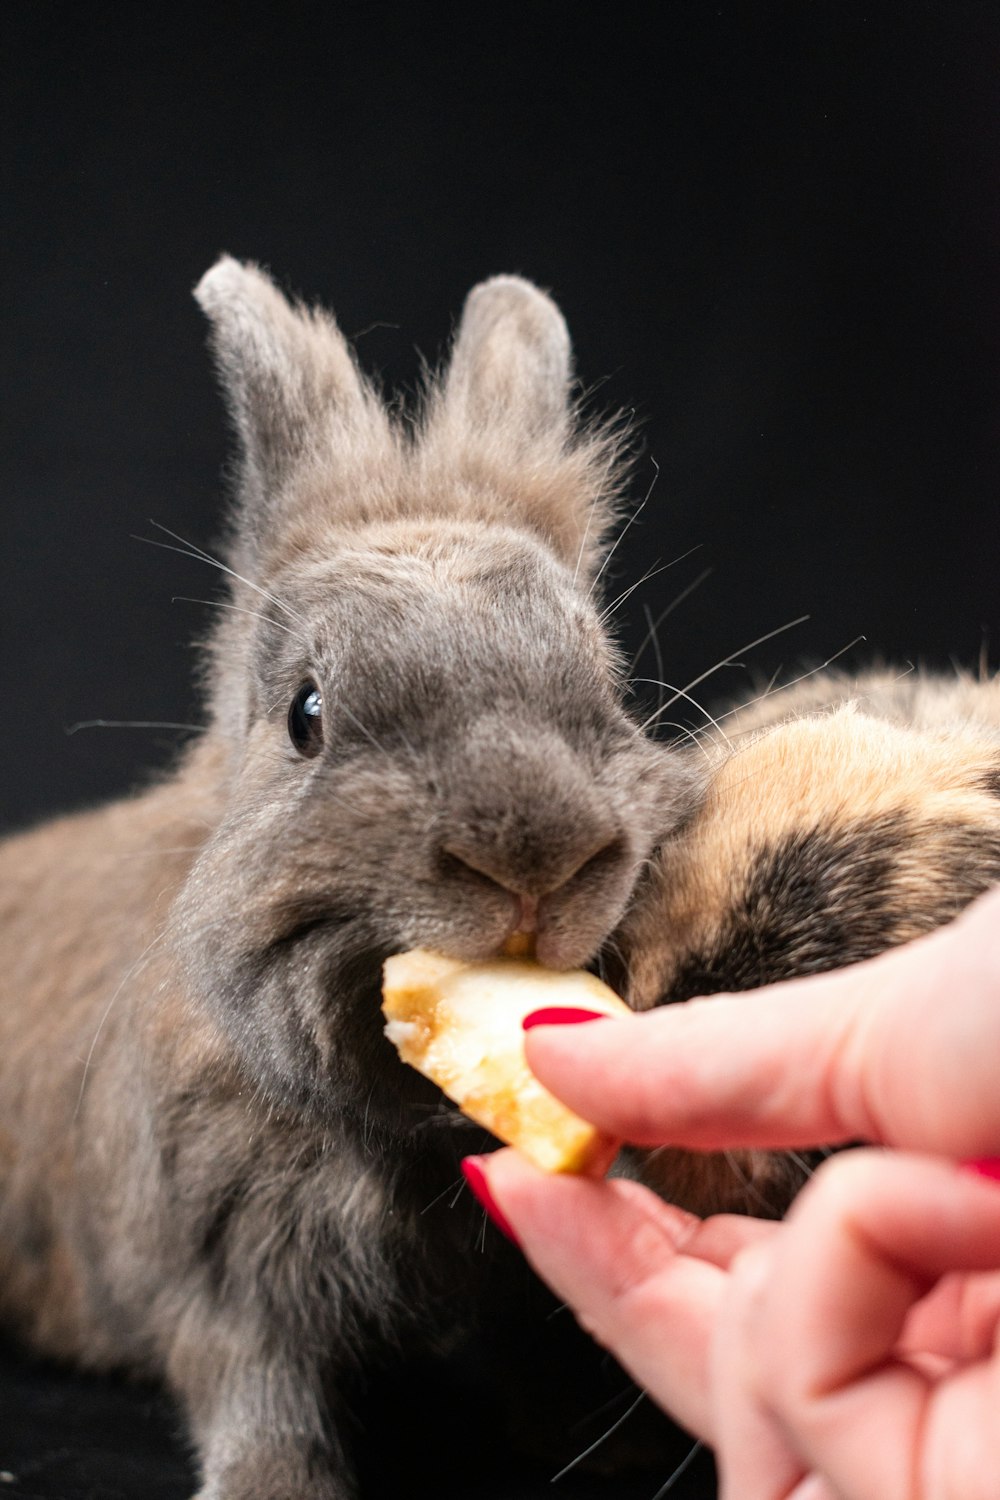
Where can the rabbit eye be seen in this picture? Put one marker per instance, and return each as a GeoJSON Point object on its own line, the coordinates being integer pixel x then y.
{"type": "Point", "coordinates": [305, 720]}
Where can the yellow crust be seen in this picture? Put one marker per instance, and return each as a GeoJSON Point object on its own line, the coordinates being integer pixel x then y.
{"type": "Point", "coordinates": [460, 1025]}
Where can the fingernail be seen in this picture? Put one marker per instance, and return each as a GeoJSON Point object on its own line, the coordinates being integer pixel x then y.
{"type": "Point", "coordinates": [480, 1190]}
{"type": "Point", "coordinates": [984, 1166]}
{"type": "Point", "coordinates": [560, 1015]}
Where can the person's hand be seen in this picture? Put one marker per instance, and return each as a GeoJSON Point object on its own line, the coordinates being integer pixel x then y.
{"type": "Point", "coordinates": [849, 1351]}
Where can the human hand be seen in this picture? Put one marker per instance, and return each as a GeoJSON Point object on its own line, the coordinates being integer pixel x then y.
{"type": "Point", "coordinates": [848, 1351]}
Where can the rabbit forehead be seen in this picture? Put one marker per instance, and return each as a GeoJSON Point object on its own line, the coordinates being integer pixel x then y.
{"type": "Point", "coordinates": [431, 555]}
{"type": "Point", "coordinates": [423, 622]}
{"type": "Point", "coordinates": [444, 592]}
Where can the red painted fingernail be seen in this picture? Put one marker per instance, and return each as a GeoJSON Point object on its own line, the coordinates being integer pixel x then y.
{"type": "Point", "coordinates": [984, 1166]}
{"type": "Point", "coordinates": [560, 1015]}
{"type": "Point", "coordinates": [480, 1190]}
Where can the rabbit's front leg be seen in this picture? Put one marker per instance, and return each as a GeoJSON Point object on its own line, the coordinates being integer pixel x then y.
{"type": "Point", "coordinates": [260, 1417]}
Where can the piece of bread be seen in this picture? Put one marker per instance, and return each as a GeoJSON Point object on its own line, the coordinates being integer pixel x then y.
{"type": "Point", "coordinates": [460, 1025]}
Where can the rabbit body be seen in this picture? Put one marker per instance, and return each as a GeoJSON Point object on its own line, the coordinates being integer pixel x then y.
{"type": "Point", "coordinates": [213, 1167]}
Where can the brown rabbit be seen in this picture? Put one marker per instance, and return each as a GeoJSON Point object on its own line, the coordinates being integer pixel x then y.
{"type": "Point", "coordinates": [213, 1167]}
{"type": "Point", "coordinates": [842, 817]}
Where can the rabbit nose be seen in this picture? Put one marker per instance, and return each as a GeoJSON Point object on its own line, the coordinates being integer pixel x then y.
{"type": "Point", "coordinates": [531, 882]}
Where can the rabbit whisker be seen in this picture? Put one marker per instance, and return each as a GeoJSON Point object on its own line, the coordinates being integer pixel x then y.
{"type": "Point", "coordinates": [238, 609]}
{"type": "Point", "coordinates": [629, 523]}
{"type": "Point", "coordinates": [657, 653]}
{"type": "Point", "coordinates": [803, 677]}
{"type": "Point", "coordinates": [583, 539]}
{"type": "Point", "coordinates": [733, 657]}
{"type": "Point", "coordinates": [147, 853]}
{"type": "Point", "coordinates": [461, 1186]}
{"type": "Point", "coordinates": [727, 661]}
{"type": "Point", "coordinates": [611, 947]}
{"type": "Point", "coordinates": [682, 693]}
{"type": "Point", "coordinates": [652, 572]}
{"type": "Point", "coordinates": [366, 1127]}
{"type": "Point", "coordinates": [655, 625]}
{"type": "Point", "coordinates": [198, 554]}
{"type": "Point", "coordinates": [773, 679]}
{"type": "Point", "coordinates": [687, 733]}
{"type": "Point", "coordinates": [107, 1011]}
{"type": "Point", "coordinates": [458, 1183]}
{"type": "Point", "coordinates": [448, 1119]}
{"type": "Point", "coordinates": [619, 1421]}
{"type": "Point", "coordinates": [681, 1468]}
{"type": "Point", "coordinates": [131, 724]}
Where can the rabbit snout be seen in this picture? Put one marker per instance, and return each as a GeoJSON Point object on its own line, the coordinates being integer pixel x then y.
{"type": "Point", "coordinates": [531, 832]}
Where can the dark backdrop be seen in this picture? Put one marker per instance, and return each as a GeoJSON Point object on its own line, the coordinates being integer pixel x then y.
{"type": "Point", "coordinates": [773, 230]}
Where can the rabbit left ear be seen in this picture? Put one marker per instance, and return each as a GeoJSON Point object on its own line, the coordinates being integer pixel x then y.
{"type": "Point", "coordinates": [511, 364]}
{"type": "Point", "coordinates": [288, 374]}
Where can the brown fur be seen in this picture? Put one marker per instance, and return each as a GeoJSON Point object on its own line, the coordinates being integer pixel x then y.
{"type": "Point", "coordinates": [213, 1167]}
{"type": "Point", "coordinates": [841, 819]}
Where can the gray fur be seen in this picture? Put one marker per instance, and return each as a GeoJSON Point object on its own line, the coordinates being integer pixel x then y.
{"type": "Point", "coordinates": [512, 355]}
{"type": "Point", "coordinates": [213, 1166]}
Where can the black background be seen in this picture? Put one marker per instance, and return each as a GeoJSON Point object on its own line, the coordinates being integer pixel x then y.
{"type": "Point", "coordinates": [772, 228]}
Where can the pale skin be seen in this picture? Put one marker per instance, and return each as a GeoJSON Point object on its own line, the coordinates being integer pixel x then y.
{"type": "Point", "coordinates": [851, 1352]}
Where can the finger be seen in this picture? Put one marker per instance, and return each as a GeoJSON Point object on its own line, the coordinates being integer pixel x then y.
{"type": "Point", "coordinates": [958, 1320]}
{"type": "Point", "coordinates": [628, 1266]}
{"type": "Point", "coordinates": [813, 1487]}
{"type": "Point", "coordinates": [722, 1237]}
{"type": "Point", "coordinates": [868, 1053]}
{"type": "Point", "coordinates": [754, 1458]}
{"type": "Point", "coordinates": [866, 1240]}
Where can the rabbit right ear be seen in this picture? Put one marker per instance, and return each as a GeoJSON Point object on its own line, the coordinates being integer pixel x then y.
{"type": "Point", "coordinates": [502, 415]}
{"type": "Point", "coordinates": [511, 364]}
{"type": "Point", "coordinates": [289, 377]}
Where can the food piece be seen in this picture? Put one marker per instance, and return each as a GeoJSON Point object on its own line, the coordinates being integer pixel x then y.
{"type": "Point", "coordinates": [460, 1025]}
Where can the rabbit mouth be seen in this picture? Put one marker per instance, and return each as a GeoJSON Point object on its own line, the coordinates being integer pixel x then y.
{"type": "Point", "coordinates": [521, 943]}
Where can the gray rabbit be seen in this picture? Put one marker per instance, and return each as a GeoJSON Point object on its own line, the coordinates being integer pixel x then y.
{"type": "Point", "coordinates": [213, 1168]}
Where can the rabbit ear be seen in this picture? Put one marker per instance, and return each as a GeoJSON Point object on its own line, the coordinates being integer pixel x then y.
{"type": "Point", "coordinates": [511, 365]}
{"type": "Point", "coordinates": [501, 418]}
{"type": "Point", "coordinates": [287, 372]}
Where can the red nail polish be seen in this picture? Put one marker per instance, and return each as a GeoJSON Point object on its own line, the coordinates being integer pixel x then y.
{"type": "Point", "coordinates": [560, 1015]}
{"type": "Point", "coordinates": [984, 1166]}
{"type": "Point", "coordinates": [479, 1188]}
